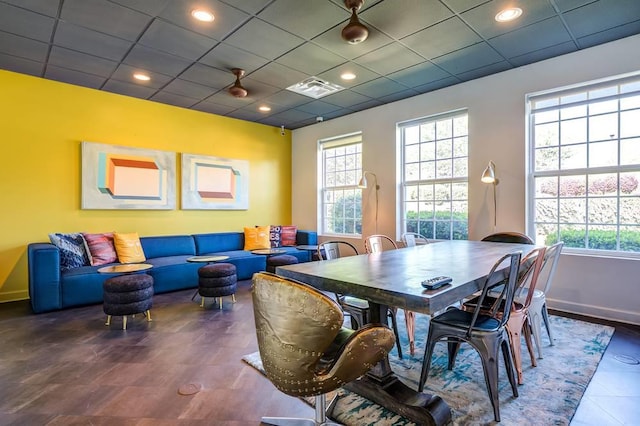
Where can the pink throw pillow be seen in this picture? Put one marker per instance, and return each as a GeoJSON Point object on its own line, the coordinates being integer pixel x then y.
{"type": "Point", "coordinates": [101, 248]}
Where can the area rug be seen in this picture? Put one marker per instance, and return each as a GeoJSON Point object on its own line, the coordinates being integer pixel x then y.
{"type": "Point", "coordinates": [550, 394]}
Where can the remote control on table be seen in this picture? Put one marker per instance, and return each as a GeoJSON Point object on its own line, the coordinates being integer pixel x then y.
{"type": "Point", "coordinates": [436, 282]}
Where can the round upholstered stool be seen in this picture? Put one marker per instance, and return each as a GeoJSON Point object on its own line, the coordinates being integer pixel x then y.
{"type": "Point", "coordinates": [217, 280]}
{"type": "Point", "coordinates": [127, 295]}
{"type": "Point", "coordinates": [284, 259]}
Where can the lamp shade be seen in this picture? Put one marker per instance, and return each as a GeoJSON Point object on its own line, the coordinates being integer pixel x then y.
{"type": "Point", "coordinates": [363, 182]}
{"type": "Point", "coordinates": [489, 174]}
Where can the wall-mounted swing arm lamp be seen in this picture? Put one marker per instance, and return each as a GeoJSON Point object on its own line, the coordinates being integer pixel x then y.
{"type": "Point", "coordinates": [489, 176]}
{"type": "Point", "coordinates": [364, 184]}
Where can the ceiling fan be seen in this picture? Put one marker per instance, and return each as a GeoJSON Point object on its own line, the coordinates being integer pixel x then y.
{"type": "Point", "coordinates": [237, 90]}
{"type": "Point", "coordinates": [355, 32]}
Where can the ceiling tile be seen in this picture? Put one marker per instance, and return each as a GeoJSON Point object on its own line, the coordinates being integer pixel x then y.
{"type": "Point", "coordinates": [227, 18]}
{"type": "Point", "coordinates": [413, 14]}
{"type": "Point", "coordinates": [105, 17]}
{"type": "Point", "coordinates": [418, 75]}
{"type": "Point", "coordinates": [610, 13]}
{"type": "Point", "coordinates": [278, 75]}
{"type": "Point", "coordinates": [288, 99]}
{"type": "Point", "coordinates": [379, 87]}
{"type": "Point", "coordinates": [318, 107]}
{"type": "Point", "coordinates": [292, 115]}
{"type": "Point", "coordinates": [310, 59]}
{"type": "Point", "coordinates": [78, 61]}
{"type": "Point", "coordinates": [175, 40]}
{"type": "Point", "coordinates": [484, 71]}
{"type": "Point", "coordinates": [482, 18]}
{"type": "Point", "coordinates": [467, 59]}
{"type": "Point", "coordinates": [92, 42]}
{"type": "Point", "coordinates": [306, 20]}
{"type": "Point", "coordinates": [609, 35]}
{"type": "Point", "coordinates": [366, 105]}
{"type": "Point", "coordinates": [249, 6]}
{"type": "Point", "coordinates": [442, 38]}
{"type": "Point", "coordinates": [257, 89]}
{"type": "Point", "coordinates": [263, 39]}
{"type": "Point", "coordinates": [44, 7]}
{"type": "Point", "coordinates": [565, 5]}
{"type": "Point", "coordinates": [173, 99]}
{"type": "Point", "coordinates": [23, 47]}
{"type": "Point", "coordinates": [153, 60]}
{"type": "Point", "coordinates": [25, 23]}
{"type": "Point", "coordinates": [435, 85]}
{"type": "Point", "coordinates": [362, 75]}
{"type": "Point", "coordinates": [378, 60]}
{"type": "Point", "coordinates": [212, 77]}
{"type": "Point", "coordinates": [224, 98]}
{"type": "Point", "coordinates": [460, 6]}
{"type": "Point", "coordinates": [149, 7]}
{"type": "Point", "coordinates": [346, 98]}
{"type": "Point", "coordinates": [21, 65]}
{"type": "Point", "coordinates": [226, 57]}
{"type": "Point", "coordinates": [73, 77]}
{"type": "Point", "coordinates": [129, 89]}
{"type": "Point", "coordinates": [543, 54]}
{"type": "Point", "coordinates": [124, 73]}
{"type": "Point", "coordinates": [398, 95]}
{"type": "Point", "coordinates": [212, 108]}
{"type": "Point", "coordinates": [547, 33]}
{"type": "Point", "coordinates": [246, 114]}
{"type": "Point", "coordinates": [189, 89]}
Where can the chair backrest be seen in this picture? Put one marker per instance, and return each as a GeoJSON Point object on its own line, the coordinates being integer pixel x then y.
{"type": "Point", "coordinates": [377, 243]}
{"type": "Point", "coordinates": [295, 324]}
{"type": "Point", "coordinates": [550, 263]}
{"type": "Point", "coordinates": [334, 249]}
{"type": "Point", "coordinates": [509, 237]}
{"type": "Point", "coordinates": [507, 294]}
{"type": "Point", "coordinates": [528, 274]}
{"type": "Point", "coordinates": [412, 239]}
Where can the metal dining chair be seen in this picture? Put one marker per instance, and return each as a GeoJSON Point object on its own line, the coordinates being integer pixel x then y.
{"type": "Point", "coordinates": [485, 332]}
{"type": "Point", "coordinates": [376, 244]}
{"type": "Point", "coordinates": [412, 239]}
{"type": "Point", "coordinates": [356, 308]}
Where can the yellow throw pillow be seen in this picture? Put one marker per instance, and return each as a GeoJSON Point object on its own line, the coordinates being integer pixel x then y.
{"type": "Point", "coordinates": [257, 238]}
{"type": "Point", "coordinates": [128, 248]}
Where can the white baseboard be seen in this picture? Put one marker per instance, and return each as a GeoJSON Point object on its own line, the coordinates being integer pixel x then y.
{"type": "Point", "coordinates": [595, 311]}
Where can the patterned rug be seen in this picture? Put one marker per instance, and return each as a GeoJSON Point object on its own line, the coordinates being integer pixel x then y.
{"type": "Point", "coordinates": [550, 395]}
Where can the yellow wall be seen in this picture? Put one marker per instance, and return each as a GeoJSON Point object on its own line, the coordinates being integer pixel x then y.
{"type": "Point", "coordinates": [42, 126]}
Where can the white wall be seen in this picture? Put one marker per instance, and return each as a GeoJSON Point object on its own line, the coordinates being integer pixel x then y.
{"type": "Point", "coordinates": [601, 287]}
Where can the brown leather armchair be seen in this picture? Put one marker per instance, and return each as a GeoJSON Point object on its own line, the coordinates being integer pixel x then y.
{"type": "Point", "coordinates": [305, 349]}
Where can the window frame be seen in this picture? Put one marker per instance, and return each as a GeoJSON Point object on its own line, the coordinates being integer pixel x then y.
{"type": "Point", "coordinates": [589, 172]}
{"type": "Point", "coordinates": [403, 182]}
{"type": "Point", "coordinates": [350, 139]}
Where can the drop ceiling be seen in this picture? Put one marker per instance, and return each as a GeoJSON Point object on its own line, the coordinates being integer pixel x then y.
{"type": "Point", "coordinates": [414, 46]}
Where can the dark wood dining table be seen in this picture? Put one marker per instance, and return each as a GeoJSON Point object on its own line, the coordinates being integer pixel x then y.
{"type": "Point", "coordinates": [393, 279]}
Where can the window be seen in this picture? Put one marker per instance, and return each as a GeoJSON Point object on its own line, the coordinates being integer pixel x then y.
{"type": "Point", "coordinates": [584, 166]}
{"type": "Point", "coordinates": [341, 198]}
{"type": "Point", "coordinates": [434, 176]}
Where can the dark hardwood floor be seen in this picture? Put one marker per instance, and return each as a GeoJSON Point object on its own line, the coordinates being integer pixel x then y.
{"type": "Point", "coordinates": [68, 368]}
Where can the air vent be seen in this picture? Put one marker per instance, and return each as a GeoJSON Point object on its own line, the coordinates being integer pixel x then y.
{"type": "Point", "coordinates": [315, 88]}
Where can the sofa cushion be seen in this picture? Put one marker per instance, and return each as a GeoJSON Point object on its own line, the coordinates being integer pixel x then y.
{"type": "Point", "coordinates": [73, 253]}
{"type": "Point", "coordinates": [275, 235]}
{"type": "Point", "coordinates": [289, 235]}
{"type": "Point", "coordinates": [101, 248]}
{"type": "Point", "coordinates": [169, 245]}
{"type": "Point", "coordinates": [256, 238]}
{"type": "Point", "coordinates": [128, 247]}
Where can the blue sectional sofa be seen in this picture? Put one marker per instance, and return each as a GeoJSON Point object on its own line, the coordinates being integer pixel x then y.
{"type": "Point", "coordinates": [50, 290]}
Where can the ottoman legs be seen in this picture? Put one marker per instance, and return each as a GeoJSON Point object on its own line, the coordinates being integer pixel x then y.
{"type": "Point", "coordinates": [219, 299]}
{"type": "Point", "coordinates": [147, 314]}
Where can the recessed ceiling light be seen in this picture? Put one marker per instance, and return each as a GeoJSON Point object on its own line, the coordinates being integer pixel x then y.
{"type": "Point", "coordinates": [264, 108]}
{"type": "Point", "coordinates": [508, 14]}
{"type": "Point", "coordinates": [348, 76]}
{"type": "Point", "coordinates": [142, 77]}
{"type": "Point", "coordinates": [202, 15]}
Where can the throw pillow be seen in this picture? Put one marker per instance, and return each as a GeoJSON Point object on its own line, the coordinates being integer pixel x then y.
{"type": "Point", "coordinates": [128, 248]}
{"type": "Point", "coordinates": [289, 235]}
{"type": "Point", "coordinates": [101, 248]}
{"type": "Point", "coordinates": [275, 232]}
{"type": "Point", "coordinates": [256, 238]}
{"type": "Point", "coordinates": [73, 253]}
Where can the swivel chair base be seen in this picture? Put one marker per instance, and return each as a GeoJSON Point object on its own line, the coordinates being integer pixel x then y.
{"type": "Point", "coordinates": [321, 415]}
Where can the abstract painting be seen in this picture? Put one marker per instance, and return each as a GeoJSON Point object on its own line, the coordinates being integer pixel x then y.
{"type": "Point", "coordinates": [211, 183]}
{"type": "Point", "coordinates": [119, 177]}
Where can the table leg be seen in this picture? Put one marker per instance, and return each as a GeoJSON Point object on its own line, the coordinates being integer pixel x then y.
{"type": "Point", "coordinates": [381, 386]}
